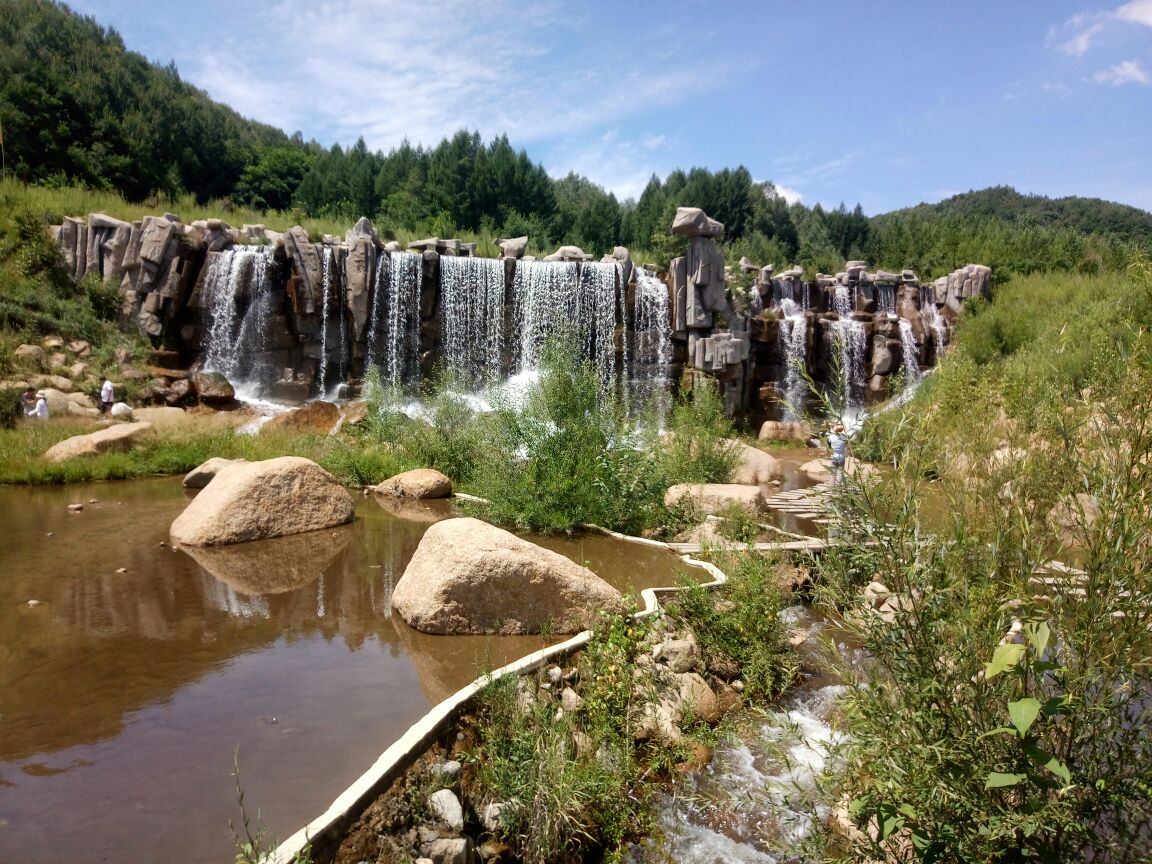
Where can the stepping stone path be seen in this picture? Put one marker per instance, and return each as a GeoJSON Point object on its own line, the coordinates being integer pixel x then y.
{"type": "Point", "coordinates": [811, 502]}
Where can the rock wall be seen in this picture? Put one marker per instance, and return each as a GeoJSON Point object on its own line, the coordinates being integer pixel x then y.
{"type": "Point", "coordinates": [304, 313]}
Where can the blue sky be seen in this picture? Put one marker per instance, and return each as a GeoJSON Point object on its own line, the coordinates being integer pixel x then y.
{"type": "Point", "coordinates": [882, 103]}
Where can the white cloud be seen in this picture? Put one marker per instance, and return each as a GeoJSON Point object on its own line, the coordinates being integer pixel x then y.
{"type": "Point", "coordinates": [1086, 29]}
{"type": "Point", "coordinates": [792, 196]}
{"type": "Point", "coordinates": [1136, 12]}
{"type": "Point", "coordinates": [1127, 72]}
{"type": "Point", "coordinates": [621, 165]}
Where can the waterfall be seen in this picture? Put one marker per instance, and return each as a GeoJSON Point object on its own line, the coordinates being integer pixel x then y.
{"type": "Point", "coordinates": [886, 299]}
{"type": "Point", "coordinates": [912, 373]}
{"type": "Point", "coordinates": [394, 331]}
{"type": "Point", "coordinates": [651, 356]}
{"type": "Point", "coordinates": [545, 303]}
{"type": "Point", "coordinates": [341, 309]}
{"type": "Point", "coordinates": [596, 311]}
{"type": "Point", "coordinates": [237, 286]}
{"type": "Point", "coordinates": [931, 316]}
{"type": "Point", "coordinates": [853, 338]}
{"type": "Point", "coordinates": [472, 330]}
{"type": "Point", "coordinates": [325, 283]}
{"type": "Point", "coordinates": [794, 347]}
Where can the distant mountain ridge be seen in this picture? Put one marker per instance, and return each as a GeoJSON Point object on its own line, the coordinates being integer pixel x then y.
{"type": "Point", "coordinates": [1086, 215]}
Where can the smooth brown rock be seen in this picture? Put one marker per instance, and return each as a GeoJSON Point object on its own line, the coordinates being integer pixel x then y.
{"type": "Point", "coordinates": [271, 498]}
{"type": "Point", "coordinates": [316, 418]}
{"type": "Point", "coordinates": [694, 222]}
{"type": "Point", "coordinates": [122, 436]}
{"type": "Point", "coordinates": [470, 577]}
{"type": "Point", "coordinates": [213, 388]}
{"type": "Point", "coordinates": [783, 430]}
{"type": "Point", "coordinates": [420, 483]}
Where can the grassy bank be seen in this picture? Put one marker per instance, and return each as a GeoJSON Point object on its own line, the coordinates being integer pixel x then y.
{"type": "Point", "coordinates": [1004, 712]}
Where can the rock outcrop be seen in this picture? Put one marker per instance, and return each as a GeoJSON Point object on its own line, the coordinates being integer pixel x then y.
{"type": "Point", "coordinates": [120, 437]}
{"type": "Point", "coordinates": [470, 577]}
{"type": "Point", "coordinates": [754, 467]}
{"type": "Point", "coordinates": [315, 418]}
{"type": "Point", "coordinates": [259, 500]}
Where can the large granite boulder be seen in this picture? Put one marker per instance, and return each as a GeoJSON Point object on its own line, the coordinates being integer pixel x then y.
{"type": "Point", "coordinates": [122, 436]}
{"type": "Point", "coordinates": [470, 577]}
{"type": "Point", "coordinates": [712, 498]}
{"type": "Point", "coordinates": [272, 498]}
{"type": "Point", "coordinates": [754, 467]}
{"type": "Point", "coordinates": [785, 430]}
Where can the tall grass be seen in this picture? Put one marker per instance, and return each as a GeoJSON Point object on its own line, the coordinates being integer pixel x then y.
{"type": "Point", "coordinates": [1000, 718]}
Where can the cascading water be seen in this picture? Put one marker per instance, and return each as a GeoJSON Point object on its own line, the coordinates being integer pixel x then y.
{"type": "Point", "coordinates": [931, 316]}
{"type": "Point", "coordinates": [648, 362]}
{"type": "Point", "coordinates": [237, 286]}
{"type": "Point", "coordinates": [596, 310]}
{"type": "Point", "coordinates": [472, 327]}
{"type": "Point", "coordinates": [545, 304]}
{"type": "Point", "coordinates": [394, 331]}
{"type": "Point", "coordinates": [325, 292]}
{"type": "Point", "coordinates": [853, 338]}
{"type": "Point", "coordinates": [794, 347]}
{"type": "Point", "coordinates": [912, 373]}
{"type": "Point", "coordinates": [886, 299]}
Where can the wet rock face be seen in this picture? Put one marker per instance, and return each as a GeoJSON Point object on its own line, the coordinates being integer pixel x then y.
{"type": "Point", "coordinates": [258, 500]}
{"type": "Point", "coordinates": [470, 577]}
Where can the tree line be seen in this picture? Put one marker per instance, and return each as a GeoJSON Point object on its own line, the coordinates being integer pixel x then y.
{"type": "Point", "coordinates": [77, 107]}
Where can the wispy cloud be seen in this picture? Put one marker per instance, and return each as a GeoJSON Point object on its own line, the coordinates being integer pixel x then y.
{"type": "Point", "coordinates": [372, 68]}
{"type": "Point", "coordinates": [1080, 32]}
{"type": "Point", "coordinates": [792, 196]}
{"type": "Point", "coordinates": [1126, 72]}
{"type": "Point", "coordinates": [620, 164]}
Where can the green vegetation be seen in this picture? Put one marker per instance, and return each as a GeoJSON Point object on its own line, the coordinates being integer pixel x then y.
{"type": "Point", "coordinates": [1004, 717]}
{"type": "Point", "coordinates": [178, 451]}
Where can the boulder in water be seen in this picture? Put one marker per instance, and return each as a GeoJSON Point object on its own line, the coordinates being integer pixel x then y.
{"type": "Point", "coordinates": [420, 483]}
{"type": "Point", "coordinates": [754, 467]}
{"type": "Point", "coordinates": [470, 577]}
{"type": "Point", "coordinates": [785, 430]}
{"type": "Point", "coordinates": [121, 436]}
{"type": "Point", "coordinates": [272, 498]}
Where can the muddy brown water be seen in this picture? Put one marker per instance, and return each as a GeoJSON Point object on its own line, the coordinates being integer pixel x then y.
{"type": "Point", "coordinates": [125, 693]}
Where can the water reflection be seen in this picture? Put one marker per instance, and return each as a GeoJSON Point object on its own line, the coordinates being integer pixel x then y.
{"type": "Point", "coordinates": [125, 693]}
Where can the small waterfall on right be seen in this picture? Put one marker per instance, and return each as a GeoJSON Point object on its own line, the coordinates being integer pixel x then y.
{"type": "Point", "coordinates": [325, 301]}
{"type": "Point", "coordinates": [237, 286]}
{"type": "Point", "coordinates": [853, 338]}
{"type": "Point", "coordinates": [931, 316]}
{"type": "Point", "coordinates": [651, 356]}
{"type": "Point", "coordinates": [472, 327]}
{"type": "Point", "coordinates": [794, 347]}
{"type": "Point", "coordinates": [912, 373]}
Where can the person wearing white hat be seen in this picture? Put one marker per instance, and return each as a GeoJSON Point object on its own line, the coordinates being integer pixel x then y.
{"type": "Point", "coordinates": [39, 411]}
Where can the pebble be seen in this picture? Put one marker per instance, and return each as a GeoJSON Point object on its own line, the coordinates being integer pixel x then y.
{"type": "Point", "coordinates": [75, 508]}
{"type": "Point", "coordinates": [93, 500]}
{"type": "Point", "coordinates": [121, 569]}
{"type": "Point", "coordinates": [162, 543]}
{"type": "Point", "coordinates": [49, 533]}
{"type": "Point", "coordinates": [35, 603]}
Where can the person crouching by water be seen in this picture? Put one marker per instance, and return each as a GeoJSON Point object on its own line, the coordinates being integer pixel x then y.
{"type": "Point", "coordinates": [39, 411]}
{"type": "Point", "coordinates": [838, 444]}
{"type": "Point", "coordinates": [107, 394]}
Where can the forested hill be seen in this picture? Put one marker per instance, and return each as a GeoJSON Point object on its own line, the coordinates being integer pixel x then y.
{"type": "Point", "coordinates": [78, 108]}
{"type": "Point", "coordinates": [1087, 215]}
